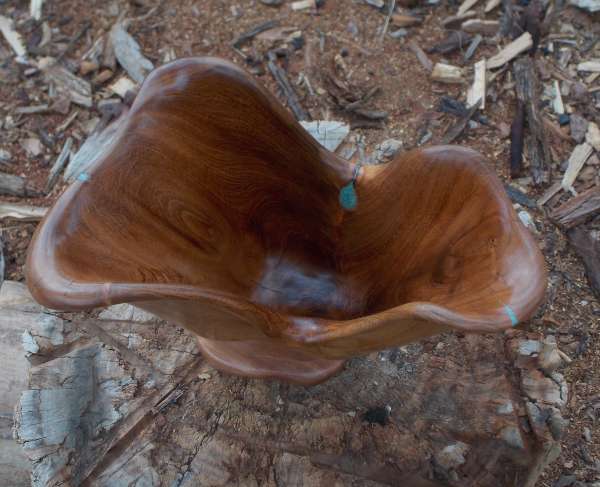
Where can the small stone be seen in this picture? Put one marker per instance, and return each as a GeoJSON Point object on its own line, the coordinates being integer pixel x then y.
{"type": "Point", "coordinates": [4, 155]}
{"type": "Point", "coordinates": [32, 146]}
{"type": "Point", "coordinates": [452, 456]}
{"type": "Point", "coordinates": [587, 434]}
{"type": "Point", "coordinates": [204, 376]}
{"type": "Point", "coordinates": [110, 107]}
{"type": "Point", "coordinates": [272, 3]}
{"type": "Point", "coordinates": [387, 149]}
{"type": "Point", "coordinates": [563, 119]}
{"type": "Point", "coordinates": [527, 220]}
{"type": "Point", "coordinates": [579, 126]}
{"type": "Point", "coordinates": [504, 129]}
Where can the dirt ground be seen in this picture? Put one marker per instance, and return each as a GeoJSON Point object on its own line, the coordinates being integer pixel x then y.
{"type": "Point", "coordinates": [343, 38]}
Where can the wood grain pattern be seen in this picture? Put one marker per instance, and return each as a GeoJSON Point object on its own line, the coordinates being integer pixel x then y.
{"type": "Point", "coordinates": [214, 209]}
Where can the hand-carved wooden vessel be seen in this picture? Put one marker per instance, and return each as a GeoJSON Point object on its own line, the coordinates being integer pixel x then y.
{"type": "Point", "coordinates": [215, 210]}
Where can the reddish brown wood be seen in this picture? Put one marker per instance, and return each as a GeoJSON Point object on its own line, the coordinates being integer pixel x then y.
{"type": "Point", "coordinates": [214, 209]}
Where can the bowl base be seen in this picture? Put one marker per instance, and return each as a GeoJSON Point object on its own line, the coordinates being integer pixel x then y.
{"type": "Point", "coordinates": [268, 360]}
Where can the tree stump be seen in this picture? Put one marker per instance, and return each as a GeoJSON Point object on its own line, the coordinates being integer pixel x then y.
{"type": "Point", "coordinates": [119, 398]}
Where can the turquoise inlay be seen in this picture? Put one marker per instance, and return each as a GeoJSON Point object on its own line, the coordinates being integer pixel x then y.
{"type": "Point", "coordinates": [511, 314]}
{"type": "Point", "coordinates": [84, 176]}
{"type": "Point", "coordinates": [348, 198]}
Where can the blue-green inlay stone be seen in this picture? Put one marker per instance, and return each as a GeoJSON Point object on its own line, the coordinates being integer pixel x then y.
{"type": "Point", "coordinates": [511, 314]}
{"type": "Point", "coordinates": [348, 198]}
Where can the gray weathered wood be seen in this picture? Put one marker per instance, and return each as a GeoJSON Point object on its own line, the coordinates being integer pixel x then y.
{"type": "Point", "coordinates": [528, 93]}
{"type": "Point", "coordinates": [12, 185]}
{"type": "Point", "coordinates": [70, 86]}
{"type": "Point", "coordinates": [577, 210]}
{"type": "Point", "coordinates": [59, 165]}
{"type": "Point", "coordinates": [128, 53]}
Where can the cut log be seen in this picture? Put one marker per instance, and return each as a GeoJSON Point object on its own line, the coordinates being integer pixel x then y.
{"type": "Point", "coordinates": [528, 93]}
{"type": "Point", "coordinates": [578, 209]}
{"type": "Point", "coordinates": [140, 406]}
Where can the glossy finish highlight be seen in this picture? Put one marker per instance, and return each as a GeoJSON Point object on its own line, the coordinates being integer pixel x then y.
{"type": "Point", "coordinates": [215, 210]}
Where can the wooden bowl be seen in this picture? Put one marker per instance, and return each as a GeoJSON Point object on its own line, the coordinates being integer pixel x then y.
{"type": "Point", "coordinates": [215, 210]}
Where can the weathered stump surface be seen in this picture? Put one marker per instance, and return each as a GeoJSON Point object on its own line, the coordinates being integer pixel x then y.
{"type": "Point", "coordinates": [124, 399]}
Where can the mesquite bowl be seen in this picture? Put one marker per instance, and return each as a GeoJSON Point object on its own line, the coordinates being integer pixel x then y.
{"type": "Point", "coordinates": [213, 209]}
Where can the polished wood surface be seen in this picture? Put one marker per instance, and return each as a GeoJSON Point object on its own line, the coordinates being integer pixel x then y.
{"type": "Point", "coordinates": [215, 210]}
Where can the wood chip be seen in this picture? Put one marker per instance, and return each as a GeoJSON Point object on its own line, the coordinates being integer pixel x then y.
{"type": "Point", "coordinates": [477, 90]}
{"type": "Point", "coordinates": [473, 47]}
{"type": "Point", "coordinates": [11, 185]}
{"type": "Point", "coordinates": [511, 51]}
{"type": "Point", "coordinates": [491, 5]}
{"type": "Point", "coordinates": [421, 56]}
{"type": "Point", "coordinates": [466, 6]}
{"type": "Point", "coordinates": [303, 5]}
{"type": "Point", "coordinates": [13, 37]}
{"type": "Point", "coordinates": [78, 90]}
{"type": "Point", "coordinates": [577, 210]}
{"type": "Point", "coordinates": [330, 134]}
{"type": "Point", "coordinates": [455, 21]}
{"type": "Point", "coordinates": [557, 103]}
{"type": "Point", "coordinates": [580, 154]}
{"type": "Point", "coordinates": [22, 212]}
{"type": "Point", "coordinates": [35, 9]}
{"type": "Point", "coordinates": [549, 194]}
{"type": "Point", "coordinates": [123, 86]}
{"type": "Point", "coordinates": [32, 109]}
{"type": "Point", "coordinates": [481, 26]}
{"type": "Point", "coordinates": [589, 66]}
{"type": "Point", "coordinates": [458, 128]}
{"type": "Point", "coordinates": [406, 20]}
{"type": "Point", "coordinates": [592, 136]}
{"type": "Point", "coordinates": [128, 53]}
{"type": "Point", "coordinates": [446, 73]}
{"type": "Point", "coordinates": [59, 165]}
